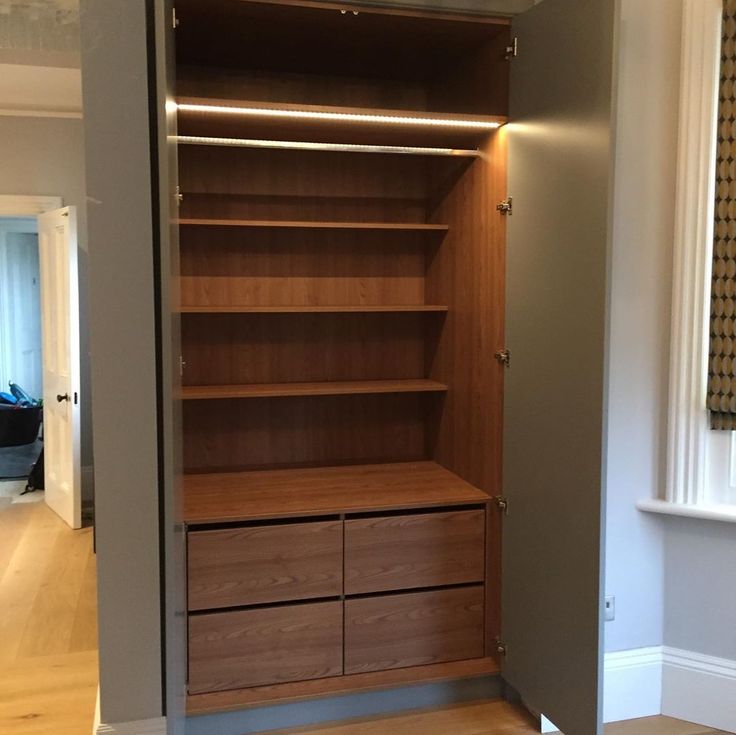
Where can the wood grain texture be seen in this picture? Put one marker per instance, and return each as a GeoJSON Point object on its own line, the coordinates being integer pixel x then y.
{"type": "Point", "coordinates": [48, 624]}
{"type": "Point", "coordinates": [468, 273]}
{"type": "Point", "coordinates": [414, 629]}
{"type": "Point", "coordinates": [313, 224]}
{"type": "Point", "coordinates": [279, 268]}
{"type": "Point", "coordinates": [261, 564]}
{"type": "Point", "coordinates": [292, 347]}
{"type": "Point", "coordinates": [274, 186]}
{"type": "Point", "coordinates": [409, 551]}
{"type": "Point", "coordinates": [198, 704]}
{"type": "Point", "coordinates": [238, 496]}
{"type": "Point", "coordinates": [229, 650]}
{"type": "Point", "coordinates": [326, 388]}
{"type": "Point", "coordinates": [335, 309]}
{"type": "Point", "coordinates": [484, 717]}
{"type": "Point", "coordinates": [396, 46]}
{"type": "Point", "coordinates": [329, 430]}
{"type": "Point", "coordinates": [343, 124]}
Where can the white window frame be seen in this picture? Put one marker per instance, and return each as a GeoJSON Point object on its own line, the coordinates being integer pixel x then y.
{"type": "Point", "coordinates": [688, 442]}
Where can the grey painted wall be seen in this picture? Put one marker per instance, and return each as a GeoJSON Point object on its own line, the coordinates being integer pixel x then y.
{"type": "Point", "coordinates": [45, 156]}
{"type": "Point", "coordinates": [700, 583]}
{"type": "Point", "coordinates": [115, 89]}
{"type": "Point", "coordinates": [640, 315]}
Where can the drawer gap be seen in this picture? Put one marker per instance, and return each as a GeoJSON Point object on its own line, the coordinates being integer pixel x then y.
{"type": "Point", "coordinates": [290, 521]}
{"type": "Point", "coordinates": [264, 605]}
{"type": "Point", "coordinates": [415, 511]}
{"type": "Point", "coordinates": [412, 590]}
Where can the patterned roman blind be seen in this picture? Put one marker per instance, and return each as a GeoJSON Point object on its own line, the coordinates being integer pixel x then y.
{"type": "Point", "coordinates": [722, 358]}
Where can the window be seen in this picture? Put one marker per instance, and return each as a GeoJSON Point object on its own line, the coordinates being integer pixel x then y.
{"type": "Point", "coordinates": [701, 464]}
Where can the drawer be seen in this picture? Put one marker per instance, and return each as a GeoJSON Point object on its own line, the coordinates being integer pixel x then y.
{"type": "Point", "coordinates": [409, 551]}
{"type": "Point", "coordinates": [413, 629]}
{"type": "Point", "coordinates": [262, 564]}
{"type": "Point", "coordinates": [245, 648]}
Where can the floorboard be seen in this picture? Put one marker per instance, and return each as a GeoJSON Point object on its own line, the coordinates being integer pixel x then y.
{"type": "Point", "coordinates": [484, 718]}
{"type": "Point", "coordinates": [48, 624]}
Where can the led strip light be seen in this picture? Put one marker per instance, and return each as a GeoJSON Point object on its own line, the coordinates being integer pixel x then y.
{"type": "Point", "coordinates": [307, 146]}
{"type": "Point", "coordinates": [355, 117]}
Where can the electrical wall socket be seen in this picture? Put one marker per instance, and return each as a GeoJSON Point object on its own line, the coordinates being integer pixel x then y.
{"type": "Point", "coordinates": [610, 608]}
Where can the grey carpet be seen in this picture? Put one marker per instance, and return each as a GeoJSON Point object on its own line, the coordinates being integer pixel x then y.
{"type": "Point", "coordinates": [16, 462]}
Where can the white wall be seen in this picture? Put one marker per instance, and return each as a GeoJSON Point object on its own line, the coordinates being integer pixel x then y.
{"type": "Point", "coordinates": [45, 156]}
{"type": "Point", "coordinates": [674, 578]}
{"type": "Point", "coordinates": [640, 309]}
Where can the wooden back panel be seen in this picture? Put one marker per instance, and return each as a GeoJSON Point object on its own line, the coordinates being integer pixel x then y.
{"type": "Point", "coordinates": [327, 430]}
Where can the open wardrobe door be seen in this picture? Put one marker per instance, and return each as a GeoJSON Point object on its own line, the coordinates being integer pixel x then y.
{"type": "Point", "coordinates": [560, 177]}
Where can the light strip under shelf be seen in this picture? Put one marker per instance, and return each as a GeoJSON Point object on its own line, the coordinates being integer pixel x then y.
{"type": "Point", "coordinates": [300, 145]}
{"type": "Point", "coordinates": [350, 117]}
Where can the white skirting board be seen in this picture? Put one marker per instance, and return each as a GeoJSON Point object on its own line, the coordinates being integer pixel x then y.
{"type": "Point", "coordinates": [661, 680]}
{"type": "Point", "coordinates": [699, 689]}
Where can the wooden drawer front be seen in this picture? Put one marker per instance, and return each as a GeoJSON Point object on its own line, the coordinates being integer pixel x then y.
{"type": "Point", "coordinates": [413, 629]}
{"type": "Point", "coordinates": [262, 564]}
{"type": "Point", "coordinates": [423, 550]}
{"type": "Point", "coordinates": [231, 650]}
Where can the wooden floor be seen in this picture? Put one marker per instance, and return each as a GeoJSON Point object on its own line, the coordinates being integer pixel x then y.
{"type": "Point", "coordinates": [48, 624]}
{"type": "Point", "coordinates": [485, 718]}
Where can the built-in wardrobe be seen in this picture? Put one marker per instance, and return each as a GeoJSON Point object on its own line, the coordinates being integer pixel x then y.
{"type": "Point", "coordinates": [392, 231]}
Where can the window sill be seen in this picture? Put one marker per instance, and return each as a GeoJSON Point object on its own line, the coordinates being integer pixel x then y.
{"type": "Point", "coordinates": [725, 513]}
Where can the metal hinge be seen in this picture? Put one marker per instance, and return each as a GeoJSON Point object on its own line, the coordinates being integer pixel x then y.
{"type": "Point", "coordinates": [504, 356]}
{"type": "Point", "coordinates": [501, 647]}
{"type": "Point", "coordinates": [179, 195]}
{"type": "Point", "coordinates": [512, 50]}
{"type": "Point", "coordinates": [506, 206]}
{"type": "Point", "coordinates": [182, 365]}
{"type": "Point", "coordinates": [502, 503]}
{"type": "Point", "coordinates": [174, 19]}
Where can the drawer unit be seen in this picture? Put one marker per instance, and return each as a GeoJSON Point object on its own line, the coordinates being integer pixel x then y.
{"type": "Point", "coordinates": [413, 629]}
{"type": "Point", "coordinates": [246, 648]}
{"type": "Point", "coordinates": [410, 551]}
{"type": "Point", "coordinates": [253, 565]}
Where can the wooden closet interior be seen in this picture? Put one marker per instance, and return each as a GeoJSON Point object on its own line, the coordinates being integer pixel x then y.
{"type": "Point", "coordinates": [342, 299]}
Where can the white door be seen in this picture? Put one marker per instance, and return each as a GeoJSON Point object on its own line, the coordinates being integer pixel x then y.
{"type": "Point", "coordinates": [57, 246]}
{"type": "Point", "coordinates": [560, 175]}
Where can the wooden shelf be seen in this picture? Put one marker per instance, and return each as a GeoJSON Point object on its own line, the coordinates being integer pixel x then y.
{"type": "Point", "coordinates": [305, 224]}
{"type": "Point", "coordinates": [199, 704]}
{"type": "Point", "coordinates": [240, 496]}
{"type": "Point", "coordinates": [368, 309]}
{"type": "Point", "coordinates": [337, 388]}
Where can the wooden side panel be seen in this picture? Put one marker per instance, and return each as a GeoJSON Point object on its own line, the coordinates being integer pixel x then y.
{"type": "Point", "coordinates": [415, 629]}
{"type": "Point", "coordinates": [468, 273]}
{"type": "Point", "coordinates": [280, 348]}
{"type": "Point", "coordinates": [259, 564]}
{"type": "Point", "coordinates": [323, 430]}
{"type": "Point", "coordinates": [246, 648]}
{"type": "Point", "coordinates": [409, 551]}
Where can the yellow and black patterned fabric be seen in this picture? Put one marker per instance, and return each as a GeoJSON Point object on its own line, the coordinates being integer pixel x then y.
{"type": "Point", "coordinates": [722, 358]}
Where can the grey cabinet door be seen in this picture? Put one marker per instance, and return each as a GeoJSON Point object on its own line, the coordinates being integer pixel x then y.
{"type": "Point", "coordinates": [560, 176]}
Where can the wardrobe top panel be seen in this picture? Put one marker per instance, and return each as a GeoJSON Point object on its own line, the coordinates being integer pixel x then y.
{"type": "Point", "coordinates": [326, 38]}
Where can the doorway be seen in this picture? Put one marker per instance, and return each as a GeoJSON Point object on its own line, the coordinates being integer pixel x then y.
{"type": "Point", "coordinates": [48, 615]}
{"type": "Point", "coordinates": [21, 366]}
